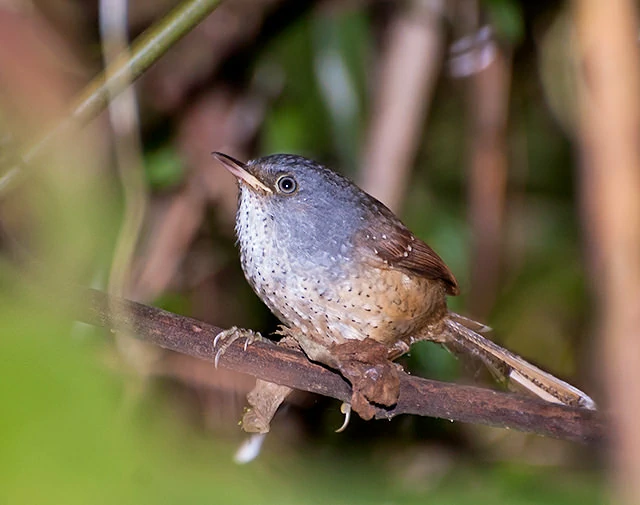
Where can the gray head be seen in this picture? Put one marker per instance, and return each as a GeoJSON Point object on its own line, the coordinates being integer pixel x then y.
{"type": "Point", "coordinates": [311, 207]}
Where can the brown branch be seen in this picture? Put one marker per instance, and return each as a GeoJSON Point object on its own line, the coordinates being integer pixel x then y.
{"type": "Point", "coordinates": [284, 366]}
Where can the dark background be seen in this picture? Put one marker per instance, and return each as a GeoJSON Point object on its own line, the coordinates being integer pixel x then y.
{"type": "Point", "coordinates": [475, 150]}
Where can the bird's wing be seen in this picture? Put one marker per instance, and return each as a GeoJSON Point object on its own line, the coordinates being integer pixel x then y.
{"type": "Point", "coordinates": [387, 243]}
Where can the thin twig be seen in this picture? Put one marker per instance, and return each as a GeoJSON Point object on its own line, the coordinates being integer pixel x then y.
{"type": "Point", "coordinates": [290, 368]}
{"type": "Point", "coordinates": [125, 124]}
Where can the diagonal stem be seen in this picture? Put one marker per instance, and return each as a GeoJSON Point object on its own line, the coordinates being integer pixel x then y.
{"type": "Point", "coordinates": [145, 51]}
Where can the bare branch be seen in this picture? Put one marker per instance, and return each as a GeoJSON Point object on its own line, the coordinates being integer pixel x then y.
{"type": "Point", "coordinates": [290, 368]}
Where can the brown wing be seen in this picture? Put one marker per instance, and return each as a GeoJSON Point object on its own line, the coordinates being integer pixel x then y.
{"type": "Point", "coordinates": [392, 244]}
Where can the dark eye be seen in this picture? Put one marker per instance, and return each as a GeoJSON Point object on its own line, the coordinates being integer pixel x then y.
{"type": "Point", "coordinates": [287, 184]}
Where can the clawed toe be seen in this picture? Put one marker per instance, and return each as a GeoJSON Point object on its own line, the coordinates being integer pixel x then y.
{"type": "Point", "coordinates": [345, 408]}
{"type": "Point", "coordinates": [226, 338]}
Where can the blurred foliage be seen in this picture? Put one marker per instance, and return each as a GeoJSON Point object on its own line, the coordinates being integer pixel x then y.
{"type": "Point", "coordinates": [507, 19]}
{"type": "Point", "coordinates": [69, 436]}
{"type": "Point", "coordinates": [323, 60]}
{"type": "Point", "coordinates": [77, 428]}
{"type": "Point", "coordinates": [164, 168]}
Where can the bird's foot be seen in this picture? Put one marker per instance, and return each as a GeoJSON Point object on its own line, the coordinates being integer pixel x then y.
{"type": "Point", "coordinates": [374, 379]}
{"type": "Point", "coordinates": [226, 338]}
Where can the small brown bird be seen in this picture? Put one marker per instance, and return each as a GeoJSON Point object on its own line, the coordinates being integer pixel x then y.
{"type": "Point", "coordinates": [352, 285]}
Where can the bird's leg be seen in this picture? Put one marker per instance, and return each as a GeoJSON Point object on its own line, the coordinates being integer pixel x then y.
{"type": "Point", "coordinates": [374, 379]}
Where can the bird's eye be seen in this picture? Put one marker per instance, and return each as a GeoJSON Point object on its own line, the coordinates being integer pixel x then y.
{"type": "Point", "coordinates": [287, 184]}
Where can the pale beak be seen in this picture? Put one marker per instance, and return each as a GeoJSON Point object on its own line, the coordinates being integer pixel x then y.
{"type": "Point", "coordinates": [239, 169]}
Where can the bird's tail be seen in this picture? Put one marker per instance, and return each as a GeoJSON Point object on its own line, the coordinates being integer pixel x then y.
{"type": "Point", "coordinates": [465, 337]}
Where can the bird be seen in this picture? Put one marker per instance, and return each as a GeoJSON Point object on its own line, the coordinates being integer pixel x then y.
{"type": "Point", "coordinates": [353, 287]}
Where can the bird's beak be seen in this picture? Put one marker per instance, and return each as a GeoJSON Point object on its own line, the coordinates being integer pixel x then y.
{"type": "Point", "coordinates": [239, 169]}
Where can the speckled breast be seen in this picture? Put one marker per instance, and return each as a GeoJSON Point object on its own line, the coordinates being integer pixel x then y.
{"type": "Point", "coordinates": [327, 296]}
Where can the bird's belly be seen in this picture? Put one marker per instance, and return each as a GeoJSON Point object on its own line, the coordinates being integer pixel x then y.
{"type": "Point", "coordinates": [385, 305]}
